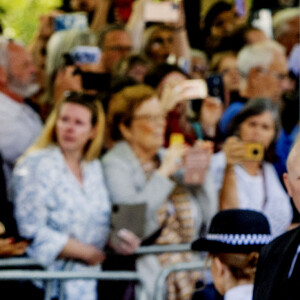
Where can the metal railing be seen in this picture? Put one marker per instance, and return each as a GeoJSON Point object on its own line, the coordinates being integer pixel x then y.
{"type": "Point", "coordinates": [159, 289]}
{"type": "Point", "coordinates": [48, 276]}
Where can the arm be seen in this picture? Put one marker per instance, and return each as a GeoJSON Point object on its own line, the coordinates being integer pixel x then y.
{"type": "Point", "coordinates": [76, 250]}
{"type": "Point", "coordinates": [100, 16]}
{"type": "Point", "coordinates": [234, 152]}
{"type": "Point", "coordinates": [181, 41]}
{"type": "Point", "coordinates": [127, 183]}
{"type": "Point", "coordinates": [136, 24]}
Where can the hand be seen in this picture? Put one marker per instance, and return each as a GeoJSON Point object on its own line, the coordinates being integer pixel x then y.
{"type": "Point", "coordinates": [181, 20]}
{"type": "Point", "coordinates": [178, 91]}
{"type": "Point", "coordinates": [208, 145]}
{"type": "Point", "coordinates": [234, 150]}
{"type": "Point", "coordinates": [211, 111]}
{"type": "Point", "coordinates": [172, 160]}
{"type": "Point", "coordinates": [66, 80]}
{"type": "Point", "coordinates": [46, 24]}
{"type": "Point", "coordinates": [127, 242]}
{"type": "Point", "coordinates": [9, 248]}
{"type": "Point", "coordinates": [93, 255]}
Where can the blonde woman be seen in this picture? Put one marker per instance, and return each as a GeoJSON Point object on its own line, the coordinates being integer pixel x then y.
{"type": "Point", "coordinates": [60, 199]}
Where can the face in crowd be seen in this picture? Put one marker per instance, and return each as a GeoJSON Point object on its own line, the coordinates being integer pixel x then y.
{"type": "Point", "coordinates": [21, 72]}
{"type": "Point", "coordinates": [117, 45]}
{"type": "Point", "coordinates": [161, 45]}
{"type": "Point", "coordinates": [74, 127]}
{"type": "Point", "coordinates": [147, 128]}
{"type": "Point", "coordinates": [258, 129]}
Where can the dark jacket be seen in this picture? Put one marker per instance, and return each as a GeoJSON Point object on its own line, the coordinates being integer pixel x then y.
{"type": "Point", "coordinates": [271, 280]}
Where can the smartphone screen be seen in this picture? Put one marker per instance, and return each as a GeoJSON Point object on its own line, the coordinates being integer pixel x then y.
{"type": "Point", "coordinates": [215, 86]}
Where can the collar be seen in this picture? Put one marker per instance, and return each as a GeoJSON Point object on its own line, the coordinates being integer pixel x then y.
{"type": "Point", "coordinates": [240, 292]}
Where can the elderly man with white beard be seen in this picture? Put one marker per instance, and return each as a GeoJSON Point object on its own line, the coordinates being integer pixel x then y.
{"type": "Point", "coordinates": [19, 123]}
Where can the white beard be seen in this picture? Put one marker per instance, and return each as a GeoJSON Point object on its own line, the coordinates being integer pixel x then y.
{"type": "Point", "coordinates": [21, 89]}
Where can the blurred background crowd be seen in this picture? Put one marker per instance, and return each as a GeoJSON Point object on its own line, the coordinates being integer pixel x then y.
{"type": "Point", "coordinates": [171, 109]}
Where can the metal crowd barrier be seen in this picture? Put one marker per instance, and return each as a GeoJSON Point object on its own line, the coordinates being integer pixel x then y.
{"type": "Point", "coordinates": [19, 274]}
{"type": "Point", "coordinates": [159, 289]}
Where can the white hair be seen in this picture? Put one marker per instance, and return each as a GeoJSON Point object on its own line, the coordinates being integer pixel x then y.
{"type": "Point", "coordinates": [260, 54]}
{"type": "Point", "coordinates": [281, 20]}
{"type": "Point", "coordinates": [4, 51]}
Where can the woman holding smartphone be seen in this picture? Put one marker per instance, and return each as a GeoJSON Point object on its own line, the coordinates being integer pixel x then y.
{"type": "Point", "coordinates": [243, 174]}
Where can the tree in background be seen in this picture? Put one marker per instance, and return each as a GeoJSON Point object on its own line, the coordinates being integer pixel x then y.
{"type": "Point", "coordinates": [20, 18]}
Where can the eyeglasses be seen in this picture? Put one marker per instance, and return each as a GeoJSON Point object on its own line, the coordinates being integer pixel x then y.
{"type": "Point", "coordinates": [279, 76]}
{"type": "Point", "coordinates": [119, 48]}
{"type": "Point", "coordinates": [150, 118]}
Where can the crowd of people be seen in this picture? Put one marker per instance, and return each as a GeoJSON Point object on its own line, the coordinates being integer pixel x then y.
{"type": "Point", "coordinates": [188, 121]}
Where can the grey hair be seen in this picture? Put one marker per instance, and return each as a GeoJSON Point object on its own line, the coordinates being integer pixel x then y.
{"type": "Point", "coordinates": [260, 54]}
{"type": "Point", "coordinates": [4, 53]}
{"type": "Point", "coordinates": [281, 20]}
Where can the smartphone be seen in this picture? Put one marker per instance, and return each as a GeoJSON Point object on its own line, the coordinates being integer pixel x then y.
{"type": "Point", "coordinates": [196, 163]}
{"type": "Point", "coordinates": [176, 139]}
{"type": "Point", "coordinates": [215, 86]}
{"type": "Point", "coordinates": [165, 12]}
{"type": "Point", "coordinates": [85, 54]}
{"type": "Point", "coordinates": [71, 21]}
{"type": "Point", "coordinates": [254, 152]}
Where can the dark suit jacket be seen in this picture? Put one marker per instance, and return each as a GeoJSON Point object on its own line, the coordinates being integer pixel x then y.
{"type": "Point", "coordinates": [271, 280]}
{"type": "Point", "coordinates": [6, 208]}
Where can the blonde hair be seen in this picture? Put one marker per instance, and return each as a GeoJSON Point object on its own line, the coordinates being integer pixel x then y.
{"type": "Point", "coordinates": [48, 135]}
{"type": "Point", "coordinates": [123, 106]}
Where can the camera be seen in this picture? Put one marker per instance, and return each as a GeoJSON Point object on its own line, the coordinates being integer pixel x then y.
{"type": "Point", "coordinates": [254, 152]}
{"type": "Point", "coordinates": [70, 21]}
{"type": "Point", "coordinates": [85, 54]}
{"type": "Point", "coordinates": [99, 82]}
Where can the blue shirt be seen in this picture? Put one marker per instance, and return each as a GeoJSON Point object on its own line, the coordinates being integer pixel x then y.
{"type": "Point", "coordinates": [229, 114]}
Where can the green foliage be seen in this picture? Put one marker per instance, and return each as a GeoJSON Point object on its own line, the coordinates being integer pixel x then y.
{"type": "Point", "coordinates": [20, 18]}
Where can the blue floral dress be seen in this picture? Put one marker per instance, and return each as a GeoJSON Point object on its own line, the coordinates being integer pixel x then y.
{"type": "Point", "coordinates": [52, 206]}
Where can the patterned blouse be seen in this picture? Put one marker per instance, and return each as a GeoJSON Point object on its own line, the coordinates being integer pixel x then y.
{"type": "Point", "coordinates": [51, 206]}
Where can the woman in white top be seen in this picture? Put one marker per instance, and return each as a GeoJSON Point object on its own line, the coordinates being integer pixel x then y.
{"type": "Point", "coordinates": [242, 174]}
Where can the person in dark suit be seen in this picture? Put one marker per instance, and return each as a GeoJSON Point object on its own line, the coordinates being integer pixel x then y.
{"type": "Point", "coordinates": [278, 267]}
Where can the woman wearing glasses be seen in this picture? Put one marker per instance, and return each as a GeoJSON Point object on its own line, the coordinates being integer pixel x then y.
{"type": "Point", "coordinates": [139, 170]}
{"type": "Point", "coordinates": [60, 198]}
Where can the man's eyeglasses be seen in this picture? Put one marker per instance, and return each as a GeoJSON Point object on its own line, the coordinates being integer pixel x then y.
{"type": "Point", "coordinates": [277, 75]}
{"type": "Point", "coordinates": [150, 118]}
{"type": "Point", "coordinates": [119, 48]}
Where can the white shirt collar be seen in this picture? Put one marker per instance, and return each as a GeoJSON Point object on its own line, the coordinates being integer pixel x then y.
{"type": "Point", "coordinates": [240, 292]}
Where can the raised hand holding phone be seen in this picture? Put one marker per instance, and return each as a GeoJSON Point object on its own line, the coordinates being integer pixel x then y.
{"type": "Point", "coordinates": [185, 90]}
